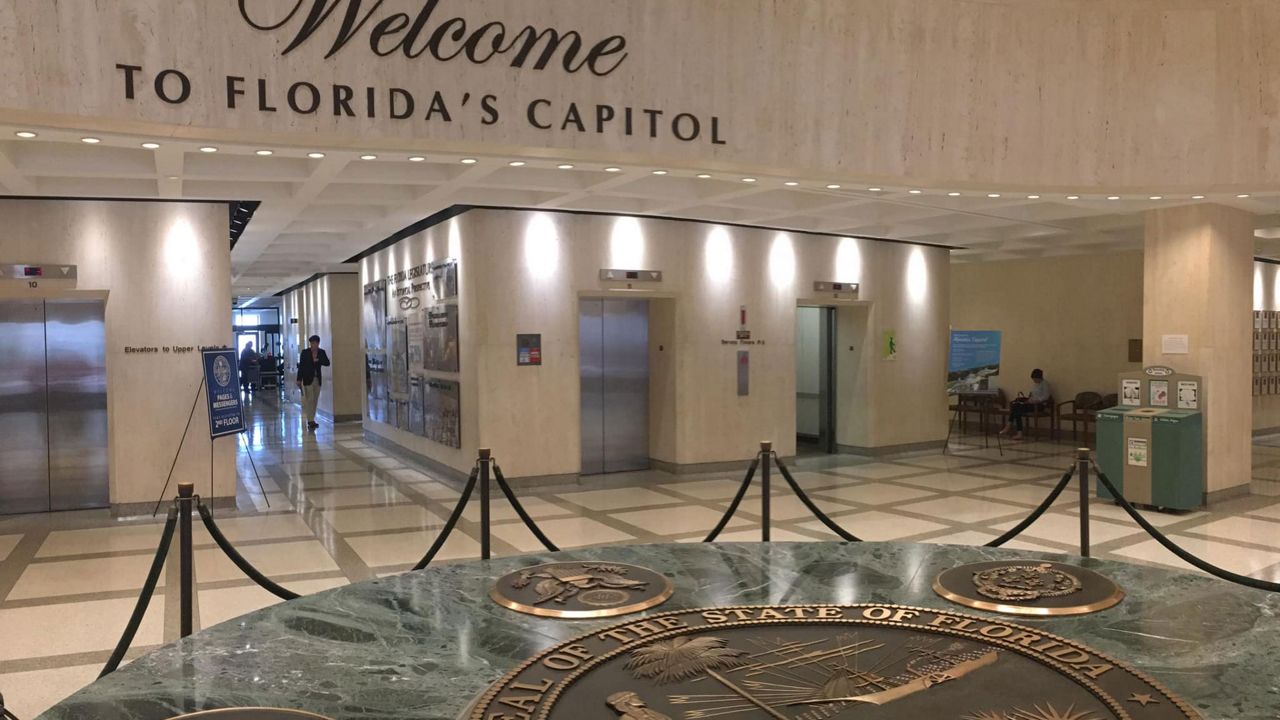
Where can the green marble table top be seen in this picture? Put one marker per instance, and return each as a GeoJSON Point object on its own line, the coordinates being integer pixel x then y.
{"type": "Point", "coordinates": [423, 645]}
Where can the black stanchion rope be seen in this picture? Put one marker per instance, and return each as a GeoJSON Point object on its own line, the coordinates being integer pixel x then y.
{"type": "Point", "coordinates": [4, 712]}
{"type": "Point", "coordinates": [1173, 547]}
{"type": "Point", "coordinates": [244, 565]}
{"type": "Point", "coordinates": [804, 498]}
{"type": "Point", "coordinates": [452, 521]}
{"type": "Point", "coordinates": [1016, 530]}
{"type": "Point", "coordinates": [737, 500]}
{"type": "Point", "coordinates": [515, 503]}
{"type": "Point", "coordinates": [144, 598]}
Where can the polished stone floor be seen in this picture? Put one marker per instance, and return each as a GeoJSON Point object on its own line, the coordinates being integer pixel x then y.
{"type": "Point", "coordinates": [341, 510]}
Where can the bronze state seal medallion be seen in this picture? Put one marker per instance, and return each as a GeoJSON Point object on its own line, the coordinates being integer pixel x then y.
{"type": "Point", "coordinates": [814, 662]}
{"type": "Point", "coordinates": [1028, 587]}
{"type": "Point", "coordinates": [575, 590]}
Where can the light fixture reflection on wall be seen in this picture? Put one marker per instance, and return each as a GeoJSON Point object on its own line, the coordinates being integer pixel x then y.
{"type": "Point", "coordinates": [717, 256]}
{"type": "Point", "coordinates": [782, 261]}
{"type": "Point", "coordinates": [1258, 300]}
{"type": "Point", "coordinates": [848, 261]}
{"type": "Point", "coordinates": [541, 247]}
{"type": "Point", "coordinates": [455, 239]}
{"type": "Point", "coordinates": [917, 276]}
{"type": "Point", "coordinates": [1275, 289]}
{"type": "Point", "coordinates": [627, 245]}
{"type": "Point", "coordinates": [181, 250]}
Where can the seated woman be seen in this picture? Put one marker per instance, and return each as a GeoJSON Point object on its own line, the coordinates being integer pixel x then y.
{"type": "Point", "coordinates": [1023, 405]}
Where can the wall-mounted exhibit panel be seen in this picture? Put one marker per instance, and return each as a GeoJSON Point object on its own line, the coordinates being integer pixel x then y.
{"type": "Point", "coordinates": [715, 295]}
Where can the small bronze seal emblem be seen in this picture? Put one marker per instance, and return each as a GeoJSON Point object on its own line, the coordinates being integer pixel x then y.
{"type": "Point", "coordinates": [581, 590]}
{"type": "Point", "coordinates": [1020, 587]}
{"type": "Point", "coordinates": [1022, 583]}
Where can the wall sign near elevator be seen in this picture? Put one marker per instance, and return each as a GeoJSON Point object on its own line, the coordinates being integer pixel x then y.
{"type": "Point", "coordinates": [528, 349]}
{"type": "Point", "coordinates": [222, 389]}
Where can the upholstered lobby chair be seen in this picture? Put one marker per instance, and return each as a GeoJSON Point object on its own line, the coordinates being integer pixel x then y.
{"type": "Point", "coordinates": [1083, 409]}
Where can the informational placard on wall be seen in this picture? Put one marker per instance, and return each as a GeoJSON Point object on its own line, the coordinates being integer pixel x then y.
{"type": "Point", "coordinates": [528, 349]}
{"type": "Point", "coordinates": [222, 389]}
{"type": "Point", "coordinates": [974, 359]}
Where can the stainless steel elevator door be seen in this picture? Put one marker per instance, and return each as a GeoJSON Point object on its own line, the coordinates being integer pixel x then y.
{"type": "Point", "coordinates": [24, 426]}
{"type": "Point", "coordinates": [614, 352]}
{"type": "Point", "coordinates": [75, 340]}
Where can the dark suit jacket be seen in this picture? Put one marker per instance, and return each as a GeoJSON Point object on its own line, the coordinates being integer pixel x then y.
{"type": "Point", "coordinates": [309, 370]}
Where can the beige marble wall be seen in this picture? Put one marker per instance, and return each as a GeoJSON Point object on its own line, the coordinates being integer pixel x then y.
{"type": "Point", "coordinates": [1142, 94]}
{"type": "Point", "coordinates": [329, 306]}
{"type": "Point", "coordinates": [524, 272]}
{"type": "Point", "coordinates": [1198, 273]}
{"type": "Point", "coordinates": [1071, 316]}
{"type": "Point", "coordinates": [165, 271]}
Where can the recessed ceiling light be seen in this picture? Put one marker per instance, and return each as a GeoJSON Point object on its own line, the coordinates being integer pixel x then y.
{"type": "Point", "coordinates": [1113, 197]}
{"type": "Point", "coordinates": [208, 149]}
{"type": "Point", "coordinates": [315, 155]}
{"type": "Point", "coordinates": [1033, 197]}
{"type": "Point", "coordinates": [368, 157]}
{"type": "Point", "coordinates": [791, 183]}
{"type": "Point", "coordinates": [1197, 197]}
{"type": "Point", "coordinates": [993, 195]}
{"type": "Point", "coordinates": [25, 134]}
{"type": "Point", "coordinates": [172, 177]}
{"type": "Point", "coordinates": [565, 166]}
{"type": "Point", "coordinates": [416, 158]}
{"type": "Point", "coordinates": [748, 180]}
{"type": "Point", "coordinates": [613, 169]}
{"type": "Point", "coordinates": [953, 194]}
{"type": "Point", "coordinates": [469, 161]}
{"type": "Point", "coordinates": [265, 153]}
{"type": "Point", "coordinates": [150, 145]}
{"type": "Point", "coordinates": [90, 140]}
{"type": "Point", "coordinates": [833, 186]}
{"type": "Point", "coordinates": [516, 163]}
{"type": "Point", "coordinates": [874, 189]}
{"type": "Point", "coordinates": [703, 176]}
{"type": "Point", "coordinates": [1157, 197]}
{"type": "Point", "coordinates": [659, 172]}
{"type": "Point", "coordinates": [1073, 197]}
{"type": "Point", "coordinates": [915, 192]}
{"type": "Point", "coordinates": [1245, 195]}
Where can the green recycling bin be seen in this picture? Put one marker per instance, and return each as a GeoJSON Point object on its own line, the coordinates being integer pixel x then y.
{"type": "Point", "coordinates": [1154, 456]}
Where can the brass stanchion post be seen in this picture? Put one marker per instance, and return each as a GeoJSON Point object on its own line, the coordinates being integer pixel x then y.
{"type": "Point", "coordinates": [1082, 457]}
{"type": "Point", "coordinates": [766, 459]}
{"type": "Point", "coordinates": [186, 496]}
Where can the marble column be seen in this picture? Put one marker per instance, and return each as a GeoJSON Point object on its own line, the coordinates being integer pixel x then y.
{"type": "Point", "coordinates": [1198, 267]}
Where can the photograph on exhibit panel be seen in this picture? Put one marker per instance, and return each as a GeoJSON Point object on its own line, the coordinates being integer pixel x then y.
{"type": "Point", "coordinates": [443, 412]}
{"type": "Point", "coordinates": [442, 338]}
{"type": "Point", "coordinates": [444, 280]}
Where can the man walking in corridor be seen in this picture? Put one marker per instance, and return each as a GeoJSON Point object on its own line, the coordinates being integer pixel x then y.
{"type": "Point", "coordinates": [310, 376]}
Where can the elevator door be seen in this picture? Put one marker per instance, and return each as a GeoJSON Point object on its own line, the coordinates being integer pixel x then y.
{"type": "Point", "coordinates": [24, 421]}
{"type": "Point", "coordinates": [53, 407]}
{"type": "Point", "coordinates": [614, 352]}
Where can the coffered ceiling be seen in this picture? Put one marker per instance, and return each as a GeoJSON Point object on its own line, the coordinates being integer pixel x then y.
{"type": "Point", "coordinates": [319, 207]}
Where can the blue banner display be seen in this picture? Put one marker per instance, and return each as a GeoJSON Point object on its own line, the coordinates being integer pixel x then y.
{"type": "Point", "coordinates": [974, 360]}
{"type": "Point", "coordinates": [222, 388]}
